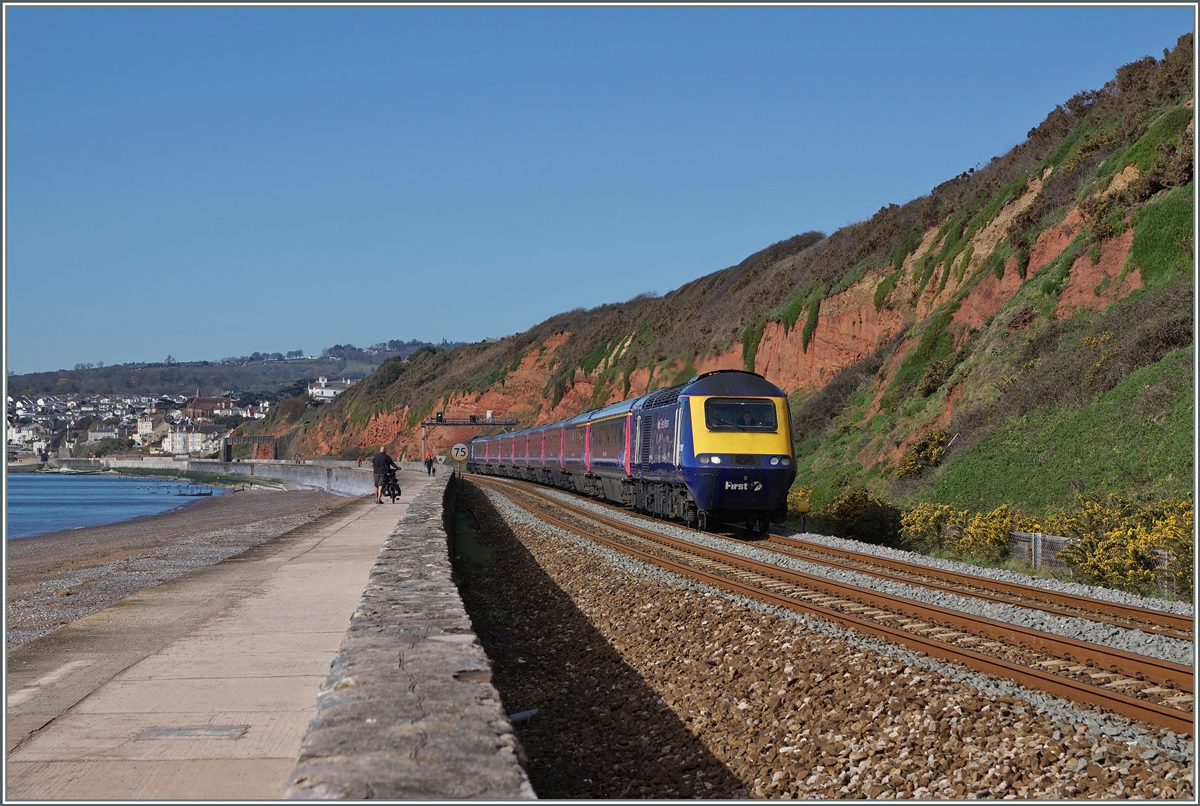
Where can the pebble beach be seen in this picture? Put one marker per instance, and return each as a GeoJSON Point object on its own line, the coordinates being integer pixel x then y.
{"type": "Point", "coordinates": [55, 578]}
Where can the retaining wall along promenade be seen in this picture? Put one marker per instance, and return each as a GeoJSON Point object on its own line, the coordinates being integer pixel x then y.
{"type": "Point", "coordinates": [335, 476]}
{"type": "Point", "coordinates": [408, 710]}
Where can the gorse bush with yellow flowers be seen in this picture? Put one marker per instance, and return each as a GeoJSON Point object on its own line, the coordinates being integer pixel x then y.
{"type": "Point", "coordinates": [797, 500]}
{"type": "Point", "coordinates": [929, 527]}
{"type": "Point", "coordinates": [925, 452]}
{"type": "Point", "coordinates": [937, 527]}
{"type": "Point", "coordinates": [859, 515]}
{"type": "Point", "coordinates": [986, 535]}
{"type": "Point", "coordinates": [1136, 548]}
{"type": "Point", "coordinates": [1115, 543]}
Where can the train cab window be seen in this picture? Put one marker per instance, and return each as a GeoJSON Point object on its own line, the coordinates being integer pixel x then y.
{"type": "Point", "coordinates": [739, 414]}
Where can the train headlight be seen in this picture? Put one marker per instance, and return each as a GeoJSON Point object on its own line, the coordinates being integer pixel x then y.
{"type": "Point", "coordinates": [704, 458]}
{"type": "Point", "coordinates": [774, 460]}
{"type": "Point", "coordinates": [716, 460]}
{"type": "Point", "coordinates": [785, 461]}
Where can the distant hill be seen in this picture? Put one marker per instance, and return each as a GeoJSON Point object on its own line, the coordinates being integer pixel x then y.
{"type": "Point", "coordinates": [258, 372]}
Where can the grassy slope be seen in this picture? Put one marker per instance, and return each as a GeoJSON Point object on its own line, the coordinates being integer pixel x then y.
{"type": "Point", "coordinates": [1135, 440]}
{"type": "Point", "coordinates": [1130, 431]}
{"type": "Point", "coordinates": [1039, 419]}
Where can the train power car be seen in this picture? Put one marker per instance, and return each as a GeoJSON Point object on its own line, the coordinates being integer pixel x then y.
{"type": "Point", "coordinates": [717, 449]}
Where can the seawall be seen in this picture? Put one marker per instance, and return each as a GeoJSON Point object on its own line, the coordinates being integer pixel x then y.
{"type": "Point", "coordinates": [335, 476]}
{"type": "Point", "coordinates": [408, 710]}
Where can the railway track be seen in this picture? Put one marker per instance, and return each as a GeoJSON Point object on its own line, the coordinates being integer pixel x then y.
{"type": "Point", "coordinates": [1063, 604]}
{"type": "Point", "coordinates": [1058, 603]}
{"type": "Point", "coordinates": [1136, 686]}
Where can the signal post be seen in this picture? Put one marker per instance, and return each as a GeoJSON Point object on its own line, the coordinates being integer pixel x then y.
{"type": "Point", "coordinates": [471, 421]}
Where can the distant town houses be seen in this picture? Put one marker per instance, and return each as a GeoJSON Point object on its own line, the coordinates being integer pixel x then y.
{"type": "Point", "coordinates": [33, 436]}
{"type": "Point", "coordinates": [258, 412]}
{"type": "Point", "coordinates": [324, 389]}
{"type": "Point", "coordinates": [104, 431]}
{"type": "Point", "coordinates": [152, 426]}
{"type": "Point", "coordinates": [42, 424]}
{"type": "Point", "coordinates": [209, 407]}
{"type": "Point", "coordinates": [181, 439]}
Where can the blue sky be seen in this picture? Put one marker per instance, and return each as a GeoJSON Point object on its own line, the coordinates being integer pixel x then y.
{"type": "Point", "coordinates": [208, 182]}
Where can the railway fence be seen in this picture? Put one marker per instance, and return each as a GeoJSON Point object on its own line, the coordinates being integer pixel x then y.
{"type": "Point", "coordinates": [1037, 549]}
{"type": "Point", "coordinates": [1042, 550]}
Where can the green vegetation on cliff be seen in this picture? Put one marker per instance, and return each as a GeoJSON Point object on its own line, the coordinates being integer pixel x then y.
{"type": "Point", "coordinates": [1135, 440]}
{"type": "Point", "coordinates": [950, 404]}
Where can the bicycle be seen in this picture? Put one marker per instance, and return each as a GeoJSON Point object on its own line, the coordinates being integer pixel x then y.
{"type": "Point", "coordinates": [391, 486]}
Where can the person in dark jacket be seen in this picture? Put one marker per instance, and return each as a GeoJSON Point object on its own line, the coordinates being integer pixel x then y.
{"type": "Point", "coordinates": [381, 464]}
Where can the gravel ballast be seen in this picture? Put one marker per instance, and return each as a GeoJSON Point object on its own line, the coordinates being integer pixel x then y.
{"type": "Point", "coordinates": [647, 685]}
{"type": "Point", "coordinates": [1136, 641]}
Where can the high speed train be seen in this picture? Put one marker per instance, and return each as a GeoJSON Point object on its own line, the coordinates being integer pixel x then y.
{"type": "Point", "coordinates": [714, 450]}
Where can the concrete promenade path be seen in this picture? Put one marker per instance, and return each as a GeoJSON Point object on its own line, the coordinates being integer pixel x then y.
{"type": "Point", "coordinates": [201, 687]}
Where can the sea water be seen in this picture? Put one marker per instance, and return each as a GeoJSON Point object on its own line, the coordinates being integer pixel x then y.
{"type": "Point", "coordinates": [38, 503]}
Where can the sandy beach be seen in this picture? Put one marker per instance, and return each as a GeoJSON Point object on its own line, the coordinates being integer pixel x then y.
{"type": "Point", "coordinates": [56, 578]}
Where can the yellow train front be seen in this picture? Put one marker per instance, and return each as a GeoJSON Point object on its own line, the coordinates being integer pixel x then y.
{"type": "Point", "coordinates": [715, 450]}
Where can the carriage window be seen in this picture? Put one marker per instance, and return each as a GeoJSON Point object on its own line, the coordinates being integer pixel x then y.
{"type": "Point", "coordinates": [725, 414]}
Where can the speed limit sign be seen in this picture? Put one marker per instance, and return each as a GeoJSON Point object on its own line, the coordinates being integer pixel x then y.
{"type": "Point", "coordinates": [459, 452]}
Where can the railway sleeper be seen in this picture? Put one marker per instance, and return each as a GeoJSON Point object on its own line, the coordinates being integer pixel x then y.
{"type": "Point", "coordinates": [1126, 682]}
{"type": "Point", "coordinates": [1053, 663]}
{"type": "Point", "coordinates": [946, 636]}
{"type": "Point", "coordinates": [1159, 690]}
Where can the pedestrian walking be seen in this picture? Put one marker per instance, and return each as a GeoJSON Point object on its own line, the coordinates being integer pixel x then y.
{"type": "Point", "coordinates": [381, 464]}
{"type": "Point", "coordinates": [428, 463]}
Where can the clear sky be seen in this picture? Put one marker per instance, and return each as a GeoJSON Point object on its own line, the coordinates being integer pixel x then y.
{"type": "Point", "coordinates": [205, 182]}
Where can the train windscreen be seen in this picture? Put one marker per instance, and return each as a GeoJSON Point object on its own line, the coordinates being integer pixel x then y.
{"type": "Point", "coordinates": [740, 414]}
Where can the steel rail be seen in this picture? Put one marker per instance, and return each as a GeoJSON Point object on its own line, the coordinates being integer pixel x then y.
{"type": "Point", "coordinates": [1132, 707]}
{"type": "Point", "coordinates": [948, 582]}
{"type": "Point", "coordinates": [1124, 613]}
{"type": "Point", "coordinates": [1166, 673]}
{"type": "Point", "coordinates": [1159, 622]}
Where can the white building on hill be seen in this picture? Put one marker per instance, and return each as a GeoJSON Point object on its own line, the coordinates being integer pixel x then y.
{"type": "Point", "coordinates": [324, 389]}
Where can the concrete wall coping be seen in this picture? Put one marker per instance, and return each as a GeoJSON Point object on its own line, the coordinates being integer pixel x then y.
{"type": "Point", "coordinates": [182, 463]}
{"type": "Point", "coordinates": [335, 476]}
{"type": "Point", "coordinates": [408, 710]}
